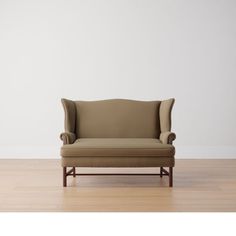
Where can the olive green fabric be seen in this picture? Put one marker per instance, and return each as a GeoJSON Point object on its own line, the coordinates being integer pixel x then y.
{"type": "Point", "coordinates": [165, 114]}
{"type": "Point", "coordinates": [117, 118]}
{"type": "Point", "coordinates": [118, 161]}
{"type": "Point", "coordinates": [113, 147]}
{"type": "Point", "coordinates": [70, 115]}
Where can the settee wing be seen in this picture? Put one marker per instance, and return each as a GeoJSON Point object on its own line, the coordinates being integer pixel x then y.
{"type": "Point", "coordinates": [165, 114]}
{"type": "Point", "coordinates": [70, 115]}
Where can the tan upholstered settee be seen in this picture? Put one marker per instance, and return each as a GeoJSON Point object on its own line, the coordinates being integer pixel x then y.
{"type": "Point", "coordinates": [117, 133]}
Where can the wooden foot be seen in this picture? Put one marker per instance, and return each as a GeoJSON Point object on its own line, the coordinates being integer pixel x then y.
{"type": "Point", "coordinates": [64, 177]}
{"type": "Point", "coordinates": [170, 176]}
{"type": "Point", "coordinates": [74, 173]}
{"type": "Point", "coordinates": [161, 171]}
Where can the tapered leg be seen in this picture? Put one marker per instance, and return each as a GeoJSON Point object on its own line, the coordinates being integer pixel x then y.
{"type": "Point", "coordinates": [74, 172]}
{"type": "Point", "coordinates": [161, 172]}
{"type": "Point", "coordinates": [64, 176]}
{"type": "Point", "coordinates": [170, 176]}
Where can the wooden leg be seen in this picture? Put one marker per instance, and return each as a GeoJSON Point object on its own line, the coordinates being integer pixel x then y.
{"type": "Point", "coordinates": [170, 176]}
{"type": "Point", "coordinates": [161, 172]}
{"type": "Point", "coordinates": [74, 172]}
{"type": "Point", "coordinates": [64, 176]}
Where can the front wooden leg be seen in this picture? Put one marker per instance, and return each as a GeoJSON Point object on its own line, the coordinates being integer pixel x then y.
{"type": "Point", "coordinates": [74, 173]}
{"type": "Point", "coordinates": [161, 172]}
{"type": "Point", "coordinates": [64, 177]}
{"type": "Point", "coordinates": [170, 176]}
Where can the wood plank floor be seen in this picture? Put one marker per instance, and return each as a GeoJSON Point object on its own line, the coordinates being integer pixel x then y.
{"type": "Point", "coordinates": [199, 185]}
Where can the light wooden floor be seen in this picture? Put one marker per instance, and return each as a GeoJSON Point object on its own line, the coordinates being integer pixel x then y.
{"type": "Point", "coordinates": [199, 185]}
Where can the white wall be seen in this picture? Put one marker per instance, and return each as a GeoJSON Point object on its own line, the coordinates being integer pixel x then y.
{"type": "Point", "coordinates": [145, 49]}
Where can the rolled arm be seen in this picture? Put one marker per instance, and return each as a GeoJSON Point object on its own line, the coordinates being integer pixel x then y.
{"type": "Point", "coordinates": [167, 137]}
{"type": "Point", "coordinates": [68, 137]}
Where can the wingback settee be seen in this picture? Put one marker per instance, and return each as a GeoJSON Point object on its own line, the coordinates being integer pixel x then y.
{"type": "Point", "coordinates": [117, 133]}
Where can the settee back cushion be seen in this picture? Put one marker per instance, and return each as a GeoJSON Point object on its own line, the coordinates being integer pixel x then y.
{"type": "Point", "coordinates": [117, 118]}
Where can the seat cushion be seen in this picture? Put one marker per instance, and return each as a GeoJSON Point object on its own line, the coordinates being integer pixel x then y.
{"type": "Point", "coordinates": [117, 147]}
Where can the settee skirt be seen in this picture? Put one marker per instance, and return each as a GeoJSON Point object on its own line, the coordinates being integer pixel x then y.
{"type": "Point", "coordinates": [118, 161]}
